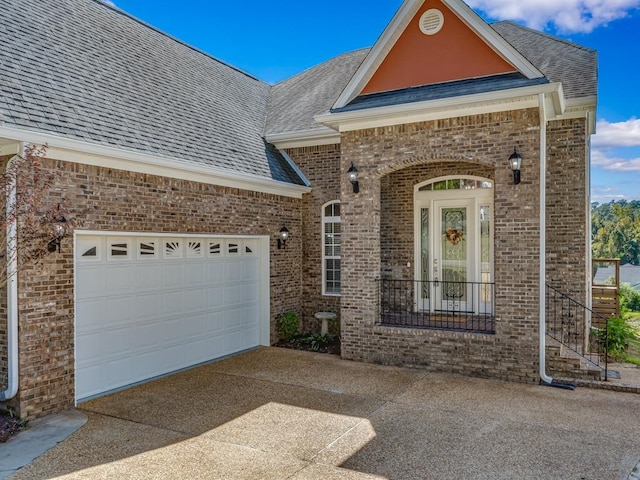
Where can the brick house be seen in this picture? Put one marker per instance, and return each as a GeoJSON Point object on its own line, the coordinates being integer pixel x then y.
{"type": "Point", "coordinates": [181, 171]}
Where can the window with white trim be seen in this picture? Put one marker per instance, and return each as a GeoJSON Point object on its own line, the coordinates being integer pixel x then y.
{"type": "Point", "coordinates": [331, 241]}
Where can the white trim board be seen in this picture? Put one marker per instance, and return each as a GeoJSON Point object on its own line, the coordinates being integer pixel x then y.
{"type": "Point", "coordinates": [76, 151]}
{"type": "Point", "coordinates": [503, 100]}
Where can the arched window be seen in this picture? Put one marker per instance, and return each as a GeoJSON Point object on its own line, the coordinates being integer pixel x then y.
{"type": "Point", "coordinates": [331, 243]}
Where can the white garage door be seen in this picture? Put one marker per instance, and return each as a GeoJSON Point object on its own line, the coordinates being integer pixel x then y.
{"type": "Point", "coordinates": [148, 305]}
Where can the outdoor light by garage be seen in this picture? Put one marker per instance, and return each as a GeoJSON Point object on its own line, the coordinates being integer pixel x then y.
{"type": "Point", "coordinates": [516, 161]}
{"type": "Point", "coordinates": [58, 231]}
{"type": "Point", "coordinates": [283, 236]}
{"type": "Point", "coordinates": [353, 177]}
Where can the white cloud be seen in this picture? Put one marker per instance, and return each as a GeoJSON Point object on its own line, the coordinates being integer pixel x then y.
{"type": "Point", "coordinates": [110, 3]}
{"type": "Point", "coordinates": [614, 164]}
{"type": "Point", "coordinates": [607, 194]}
{"type": "Point", "coordinates": [568, 16]}
{"type": "Point", "coordinates": [615, 159]}
{"type": "Point", "coordinates": [620, 134]}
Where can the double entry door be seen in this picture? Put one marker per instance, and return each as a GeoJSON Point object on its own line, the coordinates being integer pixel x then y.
{"type": "Point", "coordinates": [454, 250]}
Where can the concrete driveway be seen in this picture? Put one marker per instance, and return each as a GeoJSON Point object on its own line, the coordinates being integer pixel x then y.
{"type": "Point", "coordinates": [283, 414]}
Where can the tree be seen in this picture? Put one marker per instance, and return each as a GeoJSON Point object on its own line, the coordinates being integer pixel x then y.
{"type": "Point", "coordinates": [29, 224]}
{"type": "Point", "coordinates": [615, 231]}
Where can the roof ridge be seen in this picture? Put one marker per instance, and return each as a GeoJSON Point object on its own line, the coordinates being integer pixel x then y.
{"type": "Point", "coordinates": [312, 67]}
{"type": "Point", "coordinates": [177, 40]}
{"type": "Point", "coordinates": [544, 34]}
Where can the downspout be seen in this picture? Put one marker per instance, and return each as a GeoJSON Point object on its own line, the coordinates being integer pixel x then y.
{"type": "Point", "coordinates": [543, 240]}
{"type": "Point", "coordinates": [12, 298]}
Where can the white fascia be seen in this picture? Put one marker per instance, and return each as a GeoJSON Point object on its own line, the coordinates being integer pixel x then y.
{"type": "Point", "coordinates": [379, 51]}
{"type": "Point", "coordinates": [76, 151]}
{"type": "Point", "coordinates": [500, 101]}
{"type": "Point", "coordinates": [583, 107]}
{"type": "Point", "coordinates": [295, 168]}
{"type": "Point", "coordinates": [304, 138]}
{"type": "Point", "coordinates": [9, 148]}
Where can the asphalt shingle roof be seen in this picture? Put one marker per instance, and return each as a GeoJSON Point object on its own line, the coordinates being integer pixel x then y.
{"type": "Point", "coordinates": [83, 70]}
{"type": "Point", "coordinates": [559, 60]}
{"type": "Point", "coordinates": [295, 101]}
{"type": "Point", "coordinates": [293, 106]}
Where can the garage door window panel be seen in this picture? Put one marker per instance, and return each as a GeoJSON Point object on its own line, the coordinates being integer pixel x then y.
{"type": "Point", "coordinates": [119, 249]}
{"type": "Point", "coordinates": [172, 249]}
{"type": "Point", "coordinates": [194, 249]}
{"type": "Point", "coordinates": [90, 249]}
{"type": "Point", "coordinates": [215, 248]}
{"type": "Point", "coordinates": [148, 249]}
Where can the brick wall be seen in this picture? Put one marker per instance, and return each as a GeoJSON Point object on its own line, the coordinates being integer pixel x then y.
{"type": "Point", "coordinates": [568, 208]}
{"type": "Point", "coordinates": [108, 199]}
{"type": "Point", "coordinates": [479, 145]}
{"type": "Point", "coordinates": [321, 166]}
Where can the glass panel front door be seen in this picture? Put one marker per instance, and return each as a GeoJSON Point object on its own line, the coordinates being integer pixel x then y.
{"type": "Point", "coordinates": [452, 254]}
{"type": "Point", "coordinates": [454, 249]}
{"type": "Point", "coordinates": [454, 259]}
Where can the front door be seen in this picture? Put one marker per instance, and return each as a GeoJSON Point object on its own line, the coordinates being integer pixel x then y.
{"type": "Point", "coordinates": [454, 247]}
{"type": "Point", "coordinates": [453, 269]}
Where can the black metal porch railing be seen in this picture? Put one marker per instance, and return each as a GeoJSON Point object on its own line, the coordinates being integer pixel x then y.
{"type": "Point", "coordinates": [578, 328]}
{"type": "Point", "coordinates": [445, 305]}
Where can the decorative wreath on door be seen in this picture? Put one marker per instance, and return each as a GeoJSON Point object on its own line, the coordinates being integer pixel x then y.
{"type": "Point", "coordinates": [454, 236]}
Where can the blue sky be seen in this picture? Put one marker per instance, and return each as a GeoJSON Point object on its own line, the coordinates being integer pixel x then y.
{"type": "Point", "coordinates": [276, 39]}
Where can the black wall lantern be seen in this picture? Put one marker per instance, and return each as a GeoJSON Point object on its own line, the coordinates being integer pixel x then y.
{"type": "Point", "coordinates": [353, 178]}
{"type": "Point", "coordinates": [58, 231]}
{"type": "Point", "coordinates": [515, 160]}
{"type": "Point", "coordinates": [283, 236]}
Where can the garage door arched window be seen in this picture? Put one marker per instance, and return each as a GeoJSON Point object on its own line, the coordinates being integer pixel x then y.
{"type": "Point", "coordinates": [331, 251]}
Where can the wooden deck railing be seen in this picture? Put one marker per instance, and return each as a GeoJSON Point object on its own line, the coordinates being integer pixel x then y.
{"type": "Point", "coordinates": [605, 290]}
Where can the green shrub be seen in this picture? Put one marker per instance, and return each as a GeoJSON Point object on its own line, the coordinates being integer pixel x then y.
{"type": "Point", "coordinates": [617, 336]}
{"type": "Point", "coordinates": [629, 299]}
{"type": "Point", "coordinates": [317, 340]}
{"type": "Point", "coordinates": [287, 325]}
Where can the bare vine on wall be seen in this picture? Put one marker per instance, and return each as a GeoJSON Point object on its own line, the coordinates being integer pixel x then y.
{"type": "Point", "coordinates": [29, 220]}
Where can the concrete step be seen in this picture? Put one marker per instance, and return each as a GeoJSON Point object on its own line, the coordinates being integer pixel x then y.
{"type": "Point", "coordinates": [563, 362]}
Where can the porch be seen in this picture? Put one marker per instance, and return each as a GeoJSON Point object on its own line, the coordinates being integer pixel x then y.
{"type": "Point", "coordinates": [443, 305]}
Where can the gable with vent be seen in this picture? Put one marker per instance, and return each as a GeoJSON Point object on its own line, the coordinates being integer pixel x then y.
{"type": "Point", "coordinates": [430, 42]}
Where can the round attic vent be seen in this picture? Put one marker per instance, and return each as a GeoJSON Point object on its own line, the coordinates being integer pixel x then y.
{"type": "Point", "coordinates": [431, 21]}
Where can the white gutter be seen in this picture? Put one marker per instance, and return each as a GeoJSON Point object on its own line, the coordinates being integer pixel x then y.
{"type": "Point", "coordinates": [543, 240]}
{"type": "Point", "coordinates": [77, 151]}
{"type": "Point", "coordinates": [12, 298]}
{"type": "Point", "coordinates": [304, 138]}
{"type": "Point", "coordinates": [501, 100]}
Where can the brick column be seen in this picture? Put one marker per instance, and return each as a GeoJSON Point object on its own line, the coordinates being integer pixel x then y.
{"type": "Point", "coordinates": [360, 265]}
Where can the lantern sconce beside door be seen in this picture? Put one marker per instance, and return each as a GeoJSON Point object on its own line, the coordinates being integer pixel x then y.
{"type": "Point", "coordinates": [515, 160]}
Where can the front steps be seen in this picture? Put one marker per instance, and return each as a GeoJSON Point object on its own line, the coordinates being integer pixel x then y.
{"type": "Point", "coordinates": [562, 362]}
